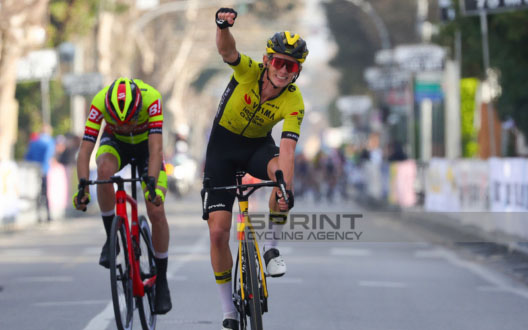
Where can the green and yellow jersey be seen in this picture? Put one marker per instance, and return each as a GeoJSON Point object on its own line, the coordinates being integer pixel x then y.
{"type": "Point", "coordinates": [241, 112]}
{"type": "Point", "coordinates": [150, 119]}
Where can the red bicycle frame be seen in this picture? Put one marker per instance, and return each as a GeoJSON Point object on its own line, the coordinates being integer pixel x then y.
{"type": "Point", "coordinates": [122, 198]}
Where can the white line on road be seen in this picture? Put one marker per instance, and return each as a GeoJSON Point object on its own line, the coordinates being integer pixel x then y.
{"type": "Point", "coordinates": [176, 277]}
{"type": "Point", "coordinates": [70, 303]}
{"type": "Point", "coordinates": [499, 282]}
{"type": "Point", "coordinates": [103, 319]}
{"type": "Point", "coordinates": [382, 284]}
{"type": "Point", "coordinates": [21, 252]}
{"type": "Point", "coordinates": [286, 280]}
{"type": "Point", "coordinates": [350, 252]}
{"type": "Point", "coordinates": [45, 279]}
{"type": "Point", "coordinates": [490, 289]}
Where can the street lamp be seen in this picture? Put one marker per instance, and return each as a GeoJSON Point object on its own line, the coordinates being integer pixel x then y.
{"type": "Point", "coordinates": [376, 19]}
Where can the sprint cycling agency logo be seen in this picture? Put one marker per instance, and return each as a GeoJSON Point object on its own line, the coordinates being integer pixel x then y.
{"type": "Point", "coordinates": [304, 227]}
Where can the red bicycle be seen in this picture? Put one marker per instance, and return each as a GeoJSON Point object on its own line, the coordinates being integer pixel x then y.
{"type": "Point", "coordinates": [132, 265]}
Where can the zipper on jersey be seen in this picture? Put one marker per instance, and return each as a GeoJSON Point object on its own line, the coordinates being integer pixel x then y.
{"type": "Point", "coordinates": [249, 123]}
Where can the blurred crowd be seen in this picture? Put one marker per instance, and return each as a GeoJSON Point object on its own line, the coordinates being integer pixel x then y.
{"type": "Point", "coordinates": [334, 174]}
{"type": "Point", "coordinates": [56, 157]}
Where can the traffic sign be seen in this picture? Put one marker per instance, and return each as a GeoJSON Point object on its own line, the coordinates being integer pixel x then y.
{"type": "Point", "coordinates": [386, 78]}
{"type": "Point", "coordinates": [36, 65]}
{"type": "Point", "coordinates": [82, 83]}
{"type": "Point", "coordinates": [475, 7]}
{"type": "Point", "coordinates": [420, 57]}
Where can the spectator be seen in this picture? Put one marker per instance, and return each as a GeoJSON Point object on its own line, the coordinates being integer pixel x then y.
{"type": "Point", "coordinates": [41, 150]}
{"type": "Point", "coordinates": [396, 152]}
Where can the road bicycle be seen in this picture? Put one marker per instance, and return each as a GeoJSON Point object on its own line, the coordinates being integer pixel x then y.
{"type": "Point", "coordinates": [250, 291]}
{"type": "Point", "coordinates": [132, 265]}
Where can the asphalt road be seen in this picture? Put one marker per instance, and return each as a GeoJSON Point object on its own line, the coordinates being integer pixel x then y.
{"type": "Point", "coordinates": [49, 279]}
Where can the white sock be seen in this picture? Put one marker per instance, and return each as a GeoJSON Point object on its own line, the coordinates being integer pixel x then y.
{"type": "Point", "coordinates": [277, 230]}
{"type": "Point", "coordinates": [226, 299]}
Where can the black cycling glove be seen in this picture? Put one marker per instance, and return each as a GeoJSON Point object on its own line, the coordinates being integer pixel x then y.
{"type": "Point", "coordinates": [290, 198]}
{"type": "Point", "coordinates": [222, 24]}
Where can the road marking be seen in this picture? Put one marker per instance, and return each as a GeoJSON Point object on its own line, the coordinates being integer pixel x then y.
{"type": "Point", "coordinates": [92, 250]}
{"type": "Point", "coordinates": [44, 279]}
{"type": "Point", "coordinates": [490, 289]}
{"type": "Point", "coordinates": [428, 254]}
{"type": "Point", "coordinates": [286, 280]}
{"type": "Point", "coordinates": [350, 252]}
{"type": "Point", "coordinates": [382, 284]}
{"type": "Point", "coordinates": [104, 318]}
{"type": "Point", "coordinates": [184, 249]}
{"type": "Point", "coordinates": [171, 277]}
{"type": "Point", "coordinates": [496, 280]}
{"type": "Point", "coordinates": [70, 303]}
{"type": "Point", "coordinates": [21, 253]}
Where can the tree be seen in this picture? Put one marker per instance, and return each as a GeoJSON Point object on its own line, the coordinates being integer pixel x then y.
{"type": "Point", "coordinates": [358, 40]}
{"type": "Point", "coordinates": [21, 29]}
{"type": "Point", "coordinates": [508, 38]}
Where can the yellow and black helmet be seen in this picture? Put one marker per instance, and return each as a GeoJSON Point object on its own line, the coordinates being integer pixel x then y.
{"type": "Point", "coordinates": [123, 100]}
{"type": "Point", "coordinates": [288, 43]}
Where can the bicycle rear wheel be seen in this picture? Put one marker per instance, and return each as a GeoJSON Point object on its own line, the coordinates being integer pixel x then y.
{"type": "Point", "coordinates": [147, 266]}
{"type": "Point", "coordinates": [253, 287]}
{"type": "Point", "coordinates": [120, 276]}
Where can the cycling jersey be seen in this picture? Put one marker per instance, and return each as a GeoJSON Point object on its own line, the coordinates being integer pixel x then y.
{"type": "Point", "coordinates": [150, 119]}
{"type": "Point", "coordinates": [241, 112]}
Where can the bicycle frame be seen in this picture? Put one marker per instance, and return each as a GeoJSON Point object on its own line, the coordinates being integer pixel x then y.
{"type": "Point", "coordinates": [244, 221]}
{"type": "Point", "coordinates": [132, 232]}
{"type": "Point", "coordinates": [122, 198]}
{"type": "Point", "coordinates": [247, 249]}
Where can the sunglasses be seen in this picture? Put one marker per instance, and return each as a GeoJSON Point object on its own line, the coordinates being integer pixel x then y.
{"type": "Point", "coordinates": [291, 66]}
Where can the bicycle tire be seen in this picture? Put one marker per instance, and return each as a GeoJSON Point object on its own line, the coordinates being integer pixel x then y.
{"type": "Point", "coordinates": [237, 296]}
{"type": "Point", "coordinates": [120, 279]}
{"type": "Point", "coordinates": [147, 267]}
{"type": "Point", "coordinates": [253, 288]}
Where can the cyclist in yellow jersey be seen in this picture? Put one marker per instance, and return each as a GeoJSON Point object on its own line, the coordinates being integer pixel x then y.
{"type": "Point", "coordinates": [258, 96]}
{"type": "Point", "coordinates": [132, 111]}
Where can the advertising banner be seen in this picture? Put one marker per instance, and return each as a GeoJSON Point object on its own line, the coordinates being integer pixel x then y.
{"type": "Point", "coordinates": [508, 184]}
{"type": "Point", "coordinates": [472, 185]}
{"type": "Point", "coordinates": [402, 180]}
{"type": "Point", "coordinates": [440, 187]}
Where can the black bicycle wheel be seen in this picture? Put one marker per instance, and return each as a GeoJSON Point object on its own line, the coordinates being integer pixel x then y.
{"type": "Point", "coordinates": [237, 294]}
{"type": "Point", "coordinates": [120, 279]}
{"type": "Point", "coordinates": [253, 287]}
{"type": "Point", "coordinates": [147, 267]}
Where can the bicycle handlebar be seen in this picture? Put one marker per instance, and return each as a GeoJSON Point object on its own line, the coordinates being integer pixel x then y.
{"type": "Point", "coordinates": [279, 176]}
{"type": "Point", "coordinates": [83, 183]}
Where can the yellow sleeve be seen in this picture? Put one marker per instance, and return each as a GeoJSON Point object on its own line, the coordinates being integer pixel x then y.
{"type": "Point", "coordinates": [245, 68]}
{"type": "Point", "coordinates": [293, 115]}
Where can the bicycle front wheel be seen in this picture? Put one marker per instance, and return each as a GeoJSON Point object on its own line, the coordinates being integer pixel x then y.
{"type": "Point", "coordinates": [253, 287]}
{"type": "Point", "coordinates": [120, 275]}
{"type": "Point", "coordinates": [147, 267]}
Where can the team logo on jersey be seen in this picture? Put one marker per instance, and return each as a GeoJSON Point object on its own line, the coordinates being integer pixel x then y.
{"type": "Point", "coordinates": [294, 113]}
{"type": "Point", "coordinates": [154, 109]}
{"type": "Point", "coordinates": [247, 98]}
{"type": "Point", "coordinates": [95, 115]}
{"type": "Point", "coordinates": [292, 88]}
